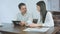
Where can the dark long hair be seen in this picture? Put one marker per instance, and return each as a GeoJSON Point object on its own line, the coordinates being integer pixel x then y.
{"type": "Point", "coordinates": [43, 11]}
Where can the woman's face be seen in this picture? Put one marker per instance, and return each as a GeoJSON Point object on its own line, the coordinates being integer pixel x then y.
{"type": "Point", "coordinates": [38, 8]}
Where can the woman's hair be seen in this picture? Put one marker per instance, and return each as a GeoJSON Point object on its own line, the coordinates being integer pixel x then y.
{"type": "Point", "coordinates": [43, 11]}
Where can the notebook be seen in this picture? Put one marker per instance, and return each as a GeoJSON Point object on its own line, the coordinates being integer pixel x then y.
{"type": "Point", "coordinates": [36, 29]}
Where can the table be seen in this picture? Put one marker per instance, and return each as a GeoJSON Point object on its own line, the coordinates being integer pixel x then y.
{"type": "Point", "coordinates": [8, 28]}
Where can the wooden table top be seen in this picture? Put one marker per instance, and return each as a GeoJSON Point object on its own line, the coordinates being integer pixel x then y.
{"type": "Point", "coordinates": [10, 28]}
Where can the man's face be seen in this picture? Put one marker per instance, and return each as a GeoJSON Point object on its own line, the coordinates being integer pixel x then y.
{"type": "Point", "coordinates": [23, 9]}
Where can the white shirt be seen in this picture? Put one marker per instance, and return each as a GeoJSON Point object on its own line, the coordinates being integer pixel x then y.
{"type": "Point", "coordinates": [25, 17]}
{"type": "Point", "coordinates": [48, 21]}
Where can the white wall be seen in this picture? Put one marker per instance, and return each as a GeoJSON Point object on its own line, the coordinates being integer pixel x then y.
{"type": "Point", "coordinates": [54, 5]}
{"type": "Point", "coordinates": [9, 8]}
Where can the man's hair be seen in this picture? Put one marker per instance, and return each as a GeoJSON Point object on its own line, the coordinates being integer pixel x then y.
{"type": "Point", "coordinates": [21, 4]}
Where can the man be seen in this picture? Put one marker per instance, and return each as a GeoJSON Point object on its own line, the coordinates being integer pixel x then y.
{"type": "Point", "coordinates": [23, 16]}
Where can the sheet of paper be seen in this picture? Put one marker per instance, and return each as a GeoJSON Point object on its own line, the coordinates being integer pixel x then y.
{"type": "Point", "coordinates": [36, 29]}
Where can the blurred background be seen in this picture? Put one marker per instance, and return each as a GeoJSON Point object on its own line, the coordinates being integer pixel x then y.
{"type": "Point", "coordinates": [9, 8]}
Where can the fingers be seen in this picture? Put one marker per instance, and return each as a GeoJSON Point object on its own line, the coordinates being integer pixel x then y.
{"type": "Point", "coordinates": [22, 23]}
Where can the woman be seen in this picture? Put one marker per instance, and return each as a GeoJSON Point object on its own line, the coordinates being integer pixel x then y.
{"type": "Point", "coordinates": [46, 18]}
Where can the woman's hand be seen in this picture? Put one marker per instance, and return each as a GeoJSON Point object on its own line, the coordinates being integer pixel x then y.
{"type": "Point", "coordinates": [34, 25]}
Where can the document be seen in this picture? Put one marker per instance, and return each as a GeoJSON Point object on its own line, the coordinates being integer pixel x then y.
{"type": "Point", "coordinates": [36, 29]}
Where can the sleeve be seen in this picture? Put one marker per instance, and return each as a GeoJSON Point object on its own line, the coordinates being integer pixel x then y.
{"type": "Point", "coordinates": [49, 20]}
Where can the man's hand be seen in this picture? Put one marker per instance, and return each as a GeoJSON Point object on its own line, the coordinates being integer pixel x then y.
{"type": "Point", "coordinates": [22, 23]}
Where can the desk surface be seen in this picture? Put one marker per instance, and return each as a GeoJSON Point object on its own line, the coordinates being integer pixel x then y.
{"type": "Point", "coordinates": [10, 28]}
